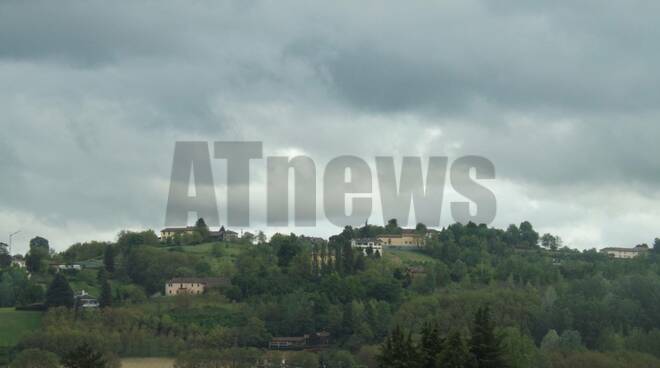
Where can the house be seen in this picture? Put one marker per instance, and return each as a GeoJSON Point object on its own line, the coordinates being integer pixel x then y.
{"type": "Point", "coordinates": [316, 340]}
{"type": "Point", "coordinates": [66, 266]}
{"type": "Point", "coordinates": [170, 232]}
{"type": "Point", "coordinates": [626, 253]}
{"type": "Point", "coordinates": [85, 301]}
{"type": "Point", "coordinates": [407, 238]}
{"type": "Point", "coordinates": [18, 261]}
{"type": "Point", "coordinates": [193, 285]}
{"type": "Point", "coordinates": [364, 244]}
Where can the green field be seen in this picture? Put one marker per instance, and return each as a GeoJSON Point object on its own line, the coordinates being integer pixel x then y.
{"type": "Point", "coordinates": [407, 257]}
{"type": "Point", "coordinates": [14, 325]}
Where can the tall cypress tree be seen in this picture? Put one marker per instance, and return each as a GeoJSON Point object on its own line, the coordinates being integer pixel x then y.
{"type": "Point", "coordinates": [59, 293]}
{"type": "Point", "coordinates": [485, 346]}
{"type": "Point", "coordinates": [431, 346]}
{"type": "Point", "coordinates": [109, 259]}
{"type": "Point", "coordinates": [106, 294]}
{"type": "Point", "coordinates": [398, 351]}
{"type": "Point", "coordinates": [454, 353]}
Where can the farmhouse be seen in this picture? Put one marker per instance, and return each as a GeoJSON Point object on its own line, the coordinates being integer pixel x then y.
{"type": "Point", "coordinates": [221, 234]}
{"type": "Point", "coordinates": [365, 244]}
{"type": "Point", "coordinates": [407, 238]}
{"type": "Point", "coordinates": [615, 252]}
{"type": "Point", "coordinates": [86, 301]}
{"type": "Point", "coordinates": [193, 285]}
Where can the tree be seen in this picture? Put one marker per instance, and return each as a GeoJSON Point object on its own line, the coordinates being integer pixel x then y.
{"type": "Point", "coordinates": [106, 294]}
{"type": "Point", "coordinates": [59, 293]}
{"type": "Point", "coordinates": [109, 259]}
{"type": "Point", "coordinates": [392, 227]}
{"type": "Point", "coordinates": [7, 296]}
{"type": "Point", "coordinates": [454, 353]}
{"type": "Point", "coordinates": [5, 257]}
{"type": "Point", "coordinates": [458, 271]}
{"type": "Point", "coordinates": [431, 346]}
{"type": "Point", "coordinates": [84, 356]}
{"type": "Point", "coordinates": [35, 358]}
{"type": "Point", "coordinates": [397, 351]}
{"type": "Point", "coordinates": [550, 341]}
{"type": "Point", "coordinates": [528, 236]}
{"type": "Point", "coordinates": [261, 238]}
{"type": "Point", "coordinates": [202, 229]}
{"type": "Point", "coordinates": [39, 252]}
{"type": "Point", "coordinates": [485, 346]}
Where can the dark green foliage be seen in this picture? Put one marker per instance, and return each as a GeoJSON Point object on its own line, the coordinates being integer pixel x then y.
{"type": "Point", "coordinates": [398, 351]}
{"type": "Point", "coordinates": [105, 300]}
{"type": "Point", "coordinates": [454, 353]}
{"type": "Point", "coordinates": [485, 346]}
{"type": "Point", "coordinates": [59, 293]}
{"type": "Point", "coordinates": [430, 346]}
{"type": "Point", "coordinates": [109, 259]}
{"type": "Point", "coordinates": [84, 356]}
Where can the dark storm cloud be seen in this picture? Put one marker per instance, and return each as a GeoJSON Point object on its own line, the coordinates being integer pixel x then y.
{"type": "Point", "coordinates": [561, 97]}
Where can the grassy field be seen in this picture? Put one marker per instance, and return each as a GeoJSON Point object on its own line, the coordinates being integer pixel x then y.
{"type": "Point", "coordinates": [407, 257]}
{"type": "Point", "coordinates": [16, 324]}
{"type": "Point", "coordinates": [147, 363]}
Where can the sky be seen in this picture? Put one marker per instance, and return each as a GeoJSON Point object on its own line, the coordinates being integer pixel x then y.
{"type": "Point", "coordinates": [561, 97]}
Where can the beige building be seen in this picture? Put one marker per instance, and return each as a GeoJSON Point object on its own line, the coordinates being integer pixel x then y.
{"type": "Point", "coordinates": [170, 232]}
{"type": "Point", "coordinates": [407, 238]}
{"type": "Point", "coordinates": [625, 253]}
{"type": "Point", "coordinates": [193, 285]}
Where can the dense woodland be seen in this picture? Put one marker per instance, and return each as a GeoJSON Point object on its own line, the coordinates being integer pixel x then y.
{"type": "Point", "coordinates": [487, 298]}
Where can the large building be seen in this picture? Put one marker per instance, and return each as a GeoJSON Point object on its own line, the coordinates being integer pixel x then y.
{"type": "Point", "coordinates": [615, 252]}
{"type": "Point", "coordinates": [193, 285]}
{"type": "Point", "coordinates": [222, 234]}
{"type": "Point", "coordinates": [407, 238]}
{"type": "Point", "coordinates": [367, 245]}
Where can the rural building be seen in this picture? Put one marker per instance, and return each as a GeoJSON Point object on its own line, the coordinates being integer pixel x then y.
{"type": "Point", "coordinates": [170, 232]}
{"type": "Point", "coordinates": [375, 244]}
{"type": "Point", "coordinates": [615, 252]}
{"type": "Point", "coordinates": [220, 235]}
{"type": "Point", "coordinates": [18, 261]}
{"type": "Point", "coordinates": [415, 272]}
{"type": "Point", "coordinates": [86, 301]}
{"type": "Point", "coordinates": [407, 238]}
{"type": "Point", "coordinates": [193, 285]}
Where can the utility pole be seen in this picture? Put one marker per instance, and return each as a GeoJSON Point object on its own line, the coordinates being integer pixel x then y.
{"type": "Point", "coordinates": [10, 238]}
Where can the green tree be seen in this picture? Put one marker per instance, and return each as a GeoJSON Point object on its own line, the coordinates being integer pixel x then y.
{"type": "Point", "coordinates": [454, 353]}
{"type": "Point", "coordinates": [202, 229]}
{"type": "Point", "coordinates": [84, 356]}
{"type": "Point", "coordinates": [398, 351]}
{"type": "Point", "coordinates": [7, 295]}
{"type": "Point", "coordinates": [59, 293]}
{"type": "Point", "coordinates": [105, 300]}
{"type": "Point", "coordinates": [431, 346]}
{"type": "Point", "coordinates": [109, 259]}
{"type": "Point", "coordinates": [35, 358]}
{"type": "Point", "coordinates": [485, 346]}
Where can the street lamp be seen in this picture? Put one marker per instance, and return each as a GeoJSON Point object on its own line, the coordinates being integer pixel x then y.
{"type": "Point", "coordinates": [10, 236]}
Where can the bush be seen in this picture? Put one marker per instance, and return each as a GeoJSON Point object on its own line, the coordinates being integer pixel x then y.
{"type": "Point", "coordinates": [35, 358]}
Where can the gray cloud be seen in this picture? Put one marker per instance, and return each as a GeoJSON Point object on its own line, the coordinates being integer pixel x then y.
{"type": "Point", "coordinates": [562, 98]}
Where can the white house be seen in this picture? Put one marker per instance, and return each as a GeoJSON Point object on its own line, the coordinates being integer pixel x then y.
{"type": "Point", "coordinates": [364, 244]}
{"type": "Point", "coordinates": [625, 253]}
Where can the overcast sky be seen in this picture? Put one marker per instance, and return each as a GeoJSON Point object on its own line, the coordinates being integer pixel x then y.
{"type": "Point", "coordinates": [562, 98]}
